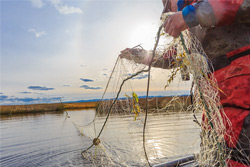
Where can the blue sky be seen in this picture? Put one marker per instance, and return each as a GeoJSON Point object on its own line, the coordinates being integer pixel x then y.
{"type": "Point", "coordinates": [56, 49]}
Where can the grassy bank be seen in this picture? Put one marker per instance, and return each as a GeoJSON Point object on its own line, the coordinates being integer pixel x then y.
{"type": "Point", "coordinates": [36, 108]}
{"type": "Point", "coordinates": [82, 105]}
{"type": "Point", "coordinates": [156, 104]}
{"type": "Point", "coordinates": [159, 103]}
{"type": "Point", "coordinates": [33, 108]}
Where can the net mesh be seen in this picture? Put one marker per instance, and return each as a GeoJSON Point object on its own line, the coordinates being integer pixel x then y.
{"type": "Point", "coordinates": [174, 126]}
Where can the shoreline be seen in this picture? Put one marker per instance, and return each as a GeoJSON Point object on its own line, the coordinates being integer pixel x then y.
{"type": "Point", "coordinates": [60, 107]}
{"type": "Point", "coordinates": [47, 107]}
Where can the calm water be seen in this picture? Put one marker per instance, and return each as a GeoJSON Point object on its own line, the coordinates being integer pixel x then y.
{"type": "Point", "coordinates": [49, 139]}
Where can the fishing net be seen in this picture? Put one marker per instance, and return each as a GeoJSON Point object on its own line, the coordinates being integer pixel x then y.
{"type": "Point", "coordinates": [138, 123]}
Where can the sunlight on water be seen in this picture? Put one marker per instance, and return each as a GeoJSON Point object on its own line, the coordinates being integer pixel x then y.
{"type": "Point", "coordinates": [51, 139]}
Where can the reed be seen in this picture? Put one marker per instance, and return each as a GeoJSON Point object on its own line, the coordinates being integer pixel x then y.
{"type": "Point", "coordinates": [33, 108]}
{"type": "Point", "coordinates": [154, 103]}
{"type": "Point", "coordinates": [81, 105]}
{"type": "Point", "coordinates": [37, 108]}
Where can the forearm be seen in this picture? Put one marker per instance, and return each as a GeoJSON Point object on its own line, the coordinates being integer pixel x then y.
{"type": "Point", "coordinates": [161, 62]}
{"type": "Point", "coordinates": [140, 56]}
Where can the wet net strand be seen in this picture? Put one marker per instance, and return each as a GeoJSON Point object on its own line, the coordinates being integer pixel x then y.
{"type": "Point", "coordinates": [121, 102]}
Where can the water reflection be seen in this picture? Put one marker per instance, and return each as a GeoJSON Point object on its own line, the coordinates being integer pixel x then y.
{"type": "Point", "coordinates": [51, 139]}
{"type": "Point", "coordinates": [45, 139]}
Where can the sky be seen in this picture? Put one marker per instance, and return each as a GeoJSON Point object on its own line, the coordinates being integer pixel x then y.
{"type": "Point", "coordinates": [56, 50]}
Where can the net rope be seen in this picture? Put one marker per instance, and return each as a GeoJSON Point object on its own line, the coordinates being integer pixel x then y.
{"type": "Point", "coordinates": [130, 127]}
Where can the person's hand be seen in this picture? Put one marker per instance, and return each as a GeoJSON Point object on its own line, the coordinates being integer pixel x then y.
{"type": "Point", "coordinates": [174, 24]}
{"type": "Point", "coordinates": [133, 53]}
{"type": "Point", "coordinates": [169, 5]}
{"type": "Point", "coordinates": [138, 55]}
{"type": "Point", "coordinates": [125, 54]}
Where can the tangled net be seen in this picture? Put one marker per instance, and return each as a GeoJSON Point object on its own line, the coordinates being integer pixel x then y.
{"type": "Point", "coordinates": [133, 127]}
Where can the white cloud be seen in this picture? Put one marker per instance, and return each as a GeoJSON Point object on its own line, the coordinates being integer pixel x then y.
{"type": "Point", "coordinates": [37, 3]}
{"type": "Point", "coordinates": [65, 9]}
{"type": "Point", "coordinates": [38, 33]}
{"type": "Point", "coordinates": [56, 2]}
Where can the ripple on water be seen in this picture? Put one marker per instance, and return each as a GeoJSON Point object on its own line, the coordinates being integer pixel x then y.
{"type": "Point", "coordinates": [51, 140]}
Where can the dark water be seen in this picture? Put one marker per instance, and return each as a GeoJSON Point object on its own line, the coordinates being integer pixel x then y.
{"type": "Point", "coordinates": [50, 140]}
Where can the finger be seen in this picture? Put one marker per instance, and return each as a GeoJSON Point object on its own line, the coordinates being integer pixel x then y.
{"type": "Point", "coordinates": [125, 50]}
{"type": "Point", "coordinates": [164, 2]}
{"type": "Point", "coordinates": [175, 34]}
{"type": "Point", "coordinates": [176, 31]}
{"type": "Point", "coordinates": [167, 25]}
{"type": "Point", "coordinates": [171, 31]}
{"type": "Point", "coordinates": [121, 55]}
{"type": "Point", "coordinates": [166, 6]}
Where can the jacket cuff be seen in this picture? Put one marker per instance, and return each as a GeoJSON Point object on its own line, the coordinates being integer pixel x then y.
{"type": "Point", "coordinates": [189, 16]}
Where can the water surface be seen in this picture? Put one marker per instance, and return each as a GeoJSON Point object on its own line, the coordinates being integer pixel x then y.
{"type": "Point", "coordinates": [51, 139]}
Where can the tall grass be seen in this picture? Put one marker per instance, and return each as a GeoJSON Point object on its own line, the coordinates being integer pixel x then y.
{"type": "Point", "coordinates": [155, 103]}
{"type": "Point", "coordinates": [33, 108]}
{"type": "Point", "coordinates": [36, 108]}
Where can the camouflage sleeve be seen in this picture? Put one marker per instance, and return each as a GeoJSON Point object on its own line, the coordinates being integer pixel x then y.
{"type": "Point", "coordinates": [208, 13]}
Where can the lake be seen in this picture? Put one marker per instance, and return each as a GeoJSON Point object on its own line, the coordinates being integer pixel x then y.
{"type": "Point", "coordinates": [52, 139]}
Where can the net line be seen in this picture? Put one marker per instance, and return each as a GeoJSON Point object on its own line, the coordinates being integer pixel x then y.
{"type": "Point", "coordinates": [189, 61]}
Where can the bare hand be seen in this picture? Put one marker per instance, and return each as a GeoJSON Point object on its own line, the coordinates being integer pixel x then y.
{"type": "Point", "coordinates": [175, 24]}
{"type": "Point", "coordinates": [169, 5]}
{"type": "Point", "coordinates": [125, 53]}
{"type": "Point", "coordinates": [132, 53]}
{"type": "Point", "coordinates": [137, 55]}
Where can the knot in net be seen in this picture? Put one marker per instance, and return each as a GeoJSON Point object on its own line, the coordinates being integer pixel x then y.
{"type": "Point", "coordinates": [158, 106]}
